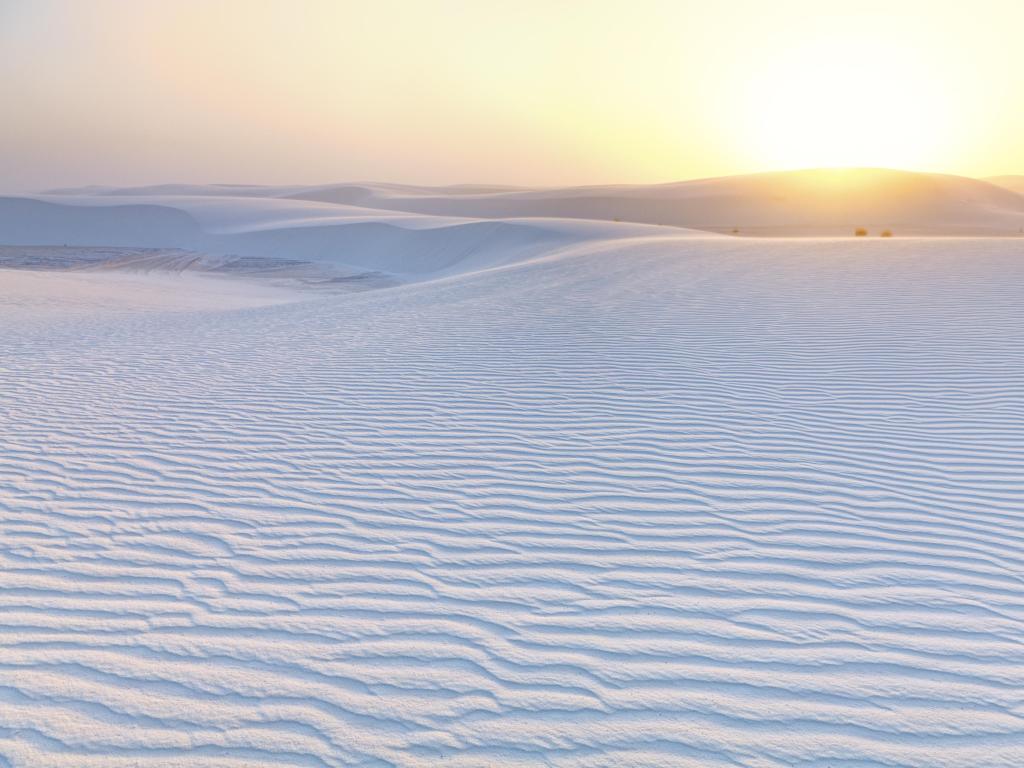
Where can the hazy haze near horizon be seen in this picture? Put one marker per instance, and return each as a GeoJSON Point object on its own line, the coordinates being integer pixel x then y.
{"type": "Point", "coordinates": [266, 91]}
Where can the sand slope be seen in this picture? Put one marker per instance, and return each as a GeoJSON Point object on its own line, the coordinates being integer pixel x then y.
{"type": "Point", "coordinates": [410, 246]}
{"type": "Point", "coordinates": [690, 502]}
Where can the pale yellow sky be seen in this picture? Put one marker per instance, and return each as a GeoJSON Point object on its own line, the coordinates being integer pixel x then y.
{"type": "Point", "coordinates": [506, 91]}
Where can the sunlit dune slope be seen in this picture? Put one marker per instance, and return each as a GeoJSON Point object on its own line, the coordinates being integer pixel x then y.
{"type": "Point", "coordinates": [789, 203]}
{"type": "Point", "coordinates": [1012, 183]}
{"type": "Point", "coordinates": [808, 202]}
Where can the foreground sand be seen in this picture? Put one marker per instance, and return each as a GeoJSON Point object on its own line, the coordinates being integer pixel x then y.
{"type": "Point", "coordinates": [683, 503]}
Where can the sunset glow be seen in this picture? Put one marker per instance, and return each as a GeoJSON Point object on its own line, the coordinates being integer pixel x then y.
{"type": "Point", "coordinates": [529, 92]}
{"type": "Point", "coordinates": [841, 102]}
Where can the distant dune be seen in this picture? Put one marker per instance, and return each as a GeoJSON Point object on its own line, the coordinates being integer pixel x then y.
{"type": "Point", "coordinates": [790, 203]}
{"type": "Point", "coordinates": [414, 232]}
{"type": "Point", "coordinates": [815, 202]}
{"type": "Point", "coordinates": [1012, 183]}
{"type": "Point", "coordinates": [25, 221]}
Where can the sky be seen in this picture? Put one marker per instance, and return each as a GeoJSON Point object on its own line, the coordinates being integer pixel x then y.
{"type": "Point", "coordinates": [532, 92]}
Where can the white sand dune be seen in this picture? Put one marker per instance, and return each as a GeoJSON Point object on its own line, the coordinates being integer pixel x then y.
{"type": "Point", "coordinates": [814, 202]}
{"type": "Point", "coordinates": [262, 190]}
{"type": "Point", "coordinates": [577, 493]}
{"type": "Point", "coordinates": [408, 245]}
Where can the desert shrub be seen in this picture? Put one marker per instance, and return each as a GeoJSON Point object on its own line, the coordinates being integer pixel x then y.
{"type": "Point", "coordinates": [860, 232]}
{"type": "Point", "coordinates": [886, 233]}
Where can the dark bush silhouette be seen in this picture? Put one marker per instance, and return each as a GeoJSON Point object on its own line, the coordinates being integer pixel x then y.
{"type": "Point", "coordinates": [886, 233]}
{"type": "Point", "coordinates": [860, 232]}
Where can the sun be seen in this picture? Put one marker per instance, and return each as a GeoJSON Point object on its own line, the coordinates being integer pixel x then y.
{"type": "Point", "coordinates": [845, 102]}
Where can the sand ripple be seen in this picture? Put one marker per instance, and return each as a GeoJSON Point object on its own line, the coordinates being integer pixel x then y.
{"type": "Point", "coordinates": [692, 504]}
